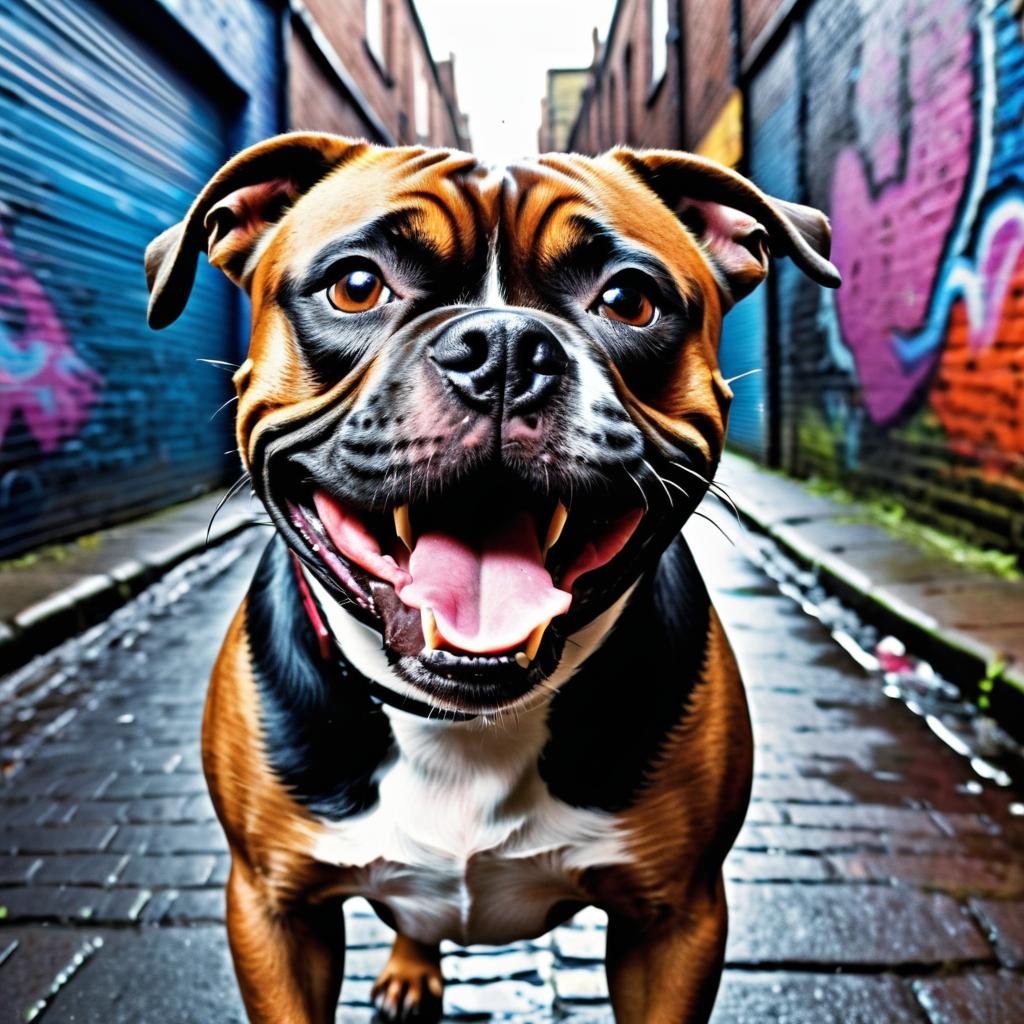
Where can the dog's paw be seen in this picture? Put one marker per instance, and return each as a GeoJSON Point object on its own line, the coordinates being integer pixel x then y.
{"type": "Point", "coordinates": [408, 989]}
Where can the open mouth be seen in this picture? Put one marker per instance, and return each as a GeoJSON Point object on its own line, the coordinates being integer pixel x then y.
{"type": "Point", "coordinates": [472, 578]}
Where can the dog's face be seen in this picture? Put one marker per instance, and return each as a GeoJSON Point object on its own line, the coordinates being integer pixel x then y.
{"type": "Point", "coordinates": [479, 403]}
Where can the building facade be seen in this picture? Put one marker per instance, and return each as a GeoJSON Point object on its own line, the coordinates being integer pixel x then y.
{"type": "Point", "coordinates": [633, 92]}
{"type": "Point", "coordinates": [363, 68]}
{"type": "Point", "coordinates": [559, 107]}
{"type": "Point", "coordinates": [901, 120]}
{"type": "Point", "coordinates": [114, 116]}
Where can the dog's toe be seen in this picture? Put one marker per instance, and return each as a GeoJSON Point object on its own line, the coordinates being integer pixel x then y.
{"type": "Point", "coordinates": [407, 993]}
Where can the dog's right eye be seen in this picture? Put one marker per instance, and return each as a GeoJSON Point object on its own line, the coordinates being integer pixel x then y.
{"type": "Point", "coordinates": [626, 300]}
{"type": "Point", "coordinates": [359, 290]}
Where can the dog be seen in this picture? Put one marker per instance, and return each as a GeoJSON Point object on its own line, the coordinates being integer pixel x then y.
{"type": "Point", "coordinates": [477, 678]}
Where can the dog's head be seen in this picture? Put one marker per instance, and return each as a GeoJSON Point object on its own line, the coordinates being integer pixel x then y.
{"type": "Point", "coordinates": [479, 403]}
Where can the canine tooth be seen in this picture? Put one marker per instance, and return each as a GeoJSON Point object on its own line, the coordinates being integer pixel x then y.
{"type": "Point", "coordinates": [534, 639]}
{"type": "Point", "coordinates": [431, 635]}
{"type": "Point", "coordinates": [403, 527]}
{"type": "Point", "coordinates": [525, 658]}
{"type": "Point", "coordinates": [555, 527]}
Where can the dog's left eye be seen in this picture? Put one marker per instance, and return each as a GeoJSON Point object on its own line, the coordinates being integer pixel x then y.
{"type": "Point", "coordinates": [625, 303]}
{"type": "Point", "coordinates": [358, 290]}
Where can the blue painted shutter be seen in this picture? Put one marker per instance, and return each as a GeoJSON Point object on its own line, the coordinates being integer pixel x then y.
{"type": "Point", "coordinates": [102, 145]}
{"type": "Point", "coordinates": [743, 349]}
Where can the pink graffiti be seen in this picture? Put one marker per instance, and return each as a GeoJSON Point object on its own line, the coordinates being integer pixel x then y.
{"type": "Point", "coordinates": [895, 197]}
{"type": "Point", "coordinates": [40, 373]}
{"type": "Point", "coordinates": [985, 285]}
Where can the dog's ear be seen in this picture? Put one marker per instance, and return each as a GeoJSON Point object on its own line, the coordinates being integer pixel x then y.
{"type": "Point", "coordinates": [736, 223]}
{"type": "Point", "coordinates": [240, 202]}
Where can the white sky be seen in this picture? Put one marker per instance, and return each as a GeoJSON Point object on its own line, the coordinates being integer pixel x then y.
{"type": "Point", "coordinates": [502, 50]}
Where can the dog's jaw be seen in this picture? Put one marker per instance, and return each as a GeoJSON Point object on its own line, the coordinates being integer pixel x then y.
{"type": "Point", "coordinates": [361, 645]}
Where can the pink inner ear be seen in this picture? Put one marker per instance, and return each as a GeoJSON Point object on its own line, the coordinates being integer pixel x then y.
{"type": "Point", "coordinates": [737, 242]}
{"type": "Point", "coordinates": [245, 212]}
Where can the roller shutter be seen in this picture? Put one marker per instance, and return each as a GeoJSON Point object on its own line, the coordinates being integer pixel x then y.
{"type": "Point", "coordinates": [742, 350]}
{"type": "Point", "coordinates": [102, 145]}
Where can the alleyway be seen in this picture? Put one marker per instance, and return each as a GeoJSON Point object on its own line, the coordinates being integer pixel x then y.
{"type": "Point", "coordinates": [876, 881]}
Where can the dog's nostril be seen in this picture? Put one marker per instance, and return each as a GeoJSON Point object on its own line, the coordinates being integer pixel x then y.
{"type": "Point", "coordinates": [542, 354]}
{"type": "Point", "coordinates": [462, 352]}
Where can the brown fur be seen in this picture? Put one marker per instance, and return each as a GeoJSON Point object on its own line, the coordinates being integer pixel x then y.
{"type": "Point", "coordinates": [667, 910]}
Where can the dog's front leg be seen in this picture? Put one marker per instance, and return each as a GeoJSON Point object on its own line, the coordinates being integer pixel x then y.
{"type": "Point", "coordinates": [668, 972]}
{"type": "Point", "coordinates": [289, 964]}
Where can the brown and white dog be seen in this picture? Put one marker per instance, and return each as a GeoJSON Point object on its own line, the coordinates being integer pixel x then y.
{"type": "Point", "coordinates": [477, 679]}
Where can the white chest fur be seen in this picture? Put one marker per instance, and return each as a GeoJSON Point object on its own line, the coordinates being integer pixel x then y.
{"type": "Point", "coordinates": [466, 843]}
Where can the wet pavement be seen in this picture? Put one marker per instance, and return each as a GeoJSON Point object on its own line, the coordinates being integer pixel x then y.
{"type": "Point", "coordinates": [879, 878]}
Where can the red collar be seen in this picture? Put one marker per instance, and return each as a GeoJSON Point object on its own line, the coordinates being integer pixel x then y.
{"type": "Point", "coordinates": [323, 635]}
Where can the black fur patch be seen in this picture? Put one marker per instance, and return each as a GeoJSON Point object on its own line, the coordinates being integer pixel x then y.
{"type": "Point", "coordinates": [324, 735]}
{"type": "Point", "coordinates": [610, 721]}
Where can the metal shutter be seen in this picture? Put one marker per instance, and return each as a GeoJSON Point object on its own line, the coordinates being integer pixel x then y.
{"type": "Point", "coordinates": [102, 146]}
{"type": "Point", "coordinates": [742, 350]}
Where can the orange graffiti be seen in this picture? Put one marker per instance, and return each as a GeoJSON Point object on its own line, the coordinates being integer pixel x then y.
{"type": "Point", "coordinates": [978, 394]}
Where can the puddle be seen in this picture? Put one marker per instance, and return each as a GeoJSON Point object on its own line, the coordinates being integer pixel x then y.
{"type": "Point", "coordinates": [989, 749]}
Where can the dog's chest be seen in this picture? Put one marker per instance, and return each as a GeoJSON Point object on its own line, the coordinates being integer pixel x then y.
{"type": "Point", "coordinates": [466, 843]}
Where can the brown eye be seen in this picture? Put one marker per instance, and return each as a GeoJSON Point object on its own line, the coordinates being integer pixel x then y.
{"type": "Point", "coordinates": [358, 291]}
{"type": "Point", "coordinates": [627, 305]}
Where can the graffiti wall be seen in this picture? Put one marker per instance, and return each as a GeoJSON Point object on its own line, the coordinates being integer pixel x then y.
{"type": "Point", "coordinates": [910, 378]}
{"type": "Point", "coordinates": [106, 139]}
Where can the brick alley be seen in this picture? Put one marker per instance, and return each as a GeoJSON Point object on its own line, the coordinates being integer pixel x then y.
{"type": "Point", "coordinates": [876, 881]}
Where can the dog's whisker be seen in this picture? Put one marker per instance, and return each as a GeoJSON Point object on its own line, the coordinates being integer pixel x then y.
{"type": "Point", "coordinates": [657, 476]}
{"type": "Point", "coordinates": [740, 376]}
{"type": "Point", "coordinates": [716, 489]}
{"type": "Point", "coordinates": [228, 495]}
{"type": "Point", "coordinates": [223, 406]}
{"type": "Point", "coordinates": [716, 526]}
{"type": "Point", "coordinates": [220, 364]}
{"type": "Point", "coordinates": [686, 469]}
{"type": "Point", "coordinates": [727, 501]}
{"type": "Point", "coordinates": [647, 505]}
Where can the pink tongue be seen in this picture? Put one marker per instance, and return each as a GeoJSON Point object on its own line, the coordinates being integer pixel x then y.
{"type": "Point", "coordinates": [485, 599]}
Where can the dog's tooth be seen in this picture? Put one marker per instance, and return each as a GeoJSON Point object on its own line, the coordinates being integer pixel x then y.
{"type": "Point", "coordinates": [555, 527]}
{"type": "Point", "coordinates": [403, 527]}
{"type": "Point", "coordinates": [525, 657]}
{"type": "Point", "coordinates": [534, 639]}
{"type": "Point", "coordinates": [431, 634]}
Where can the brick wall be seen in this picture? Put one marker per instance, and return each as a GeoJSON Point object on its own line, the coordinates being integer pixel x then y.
{"type": "Point", "coordinates": [625, 101]}
{"type": "Point", "coordinates": [909, 381]}
{"type": "Point", "coordinates": [312, 105]}
{"type": "Point", "coordinates": [708, 40]}
{"type": "Point", "coordinates": [756, 15]}
{"type": "Point", "coordinates": [904, 121]}
{"type": "Point", "coordinates": [399, 96]}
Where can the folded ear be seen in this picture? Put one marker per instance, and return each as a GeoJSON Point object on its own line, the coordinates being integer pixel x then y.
{"type": "Point", "coordinates": [737, 224]}
{"type": "Point", "coordinates": [239, 204]}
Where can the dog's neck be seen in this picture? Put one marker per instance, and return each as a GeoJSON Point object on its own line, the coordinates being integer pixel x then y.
{"type": "Point", "coordinates": [362, 647]}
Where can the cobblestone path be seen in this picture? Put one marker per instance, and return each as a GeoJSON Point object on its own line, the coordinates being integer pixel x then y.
{"type": "Point", "coordinates": [876, 881]}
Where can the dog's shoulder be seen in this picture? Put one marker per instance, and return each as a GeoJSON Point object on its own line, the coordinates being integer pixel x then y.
{"type": "Point", "coordinates": [324, 737]}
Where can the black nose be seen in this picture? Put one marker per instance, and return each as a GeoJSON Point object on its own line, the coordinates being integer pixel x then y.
{"type": "Point", "coordinates": [500, 362]}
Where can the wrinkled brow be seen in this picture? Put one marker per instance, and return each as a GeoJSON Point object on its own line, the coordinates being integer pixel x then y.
{"type": "Point", "coordinates": [396, 238]}
{"type": "Point", "coordinates": [591, 247]}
